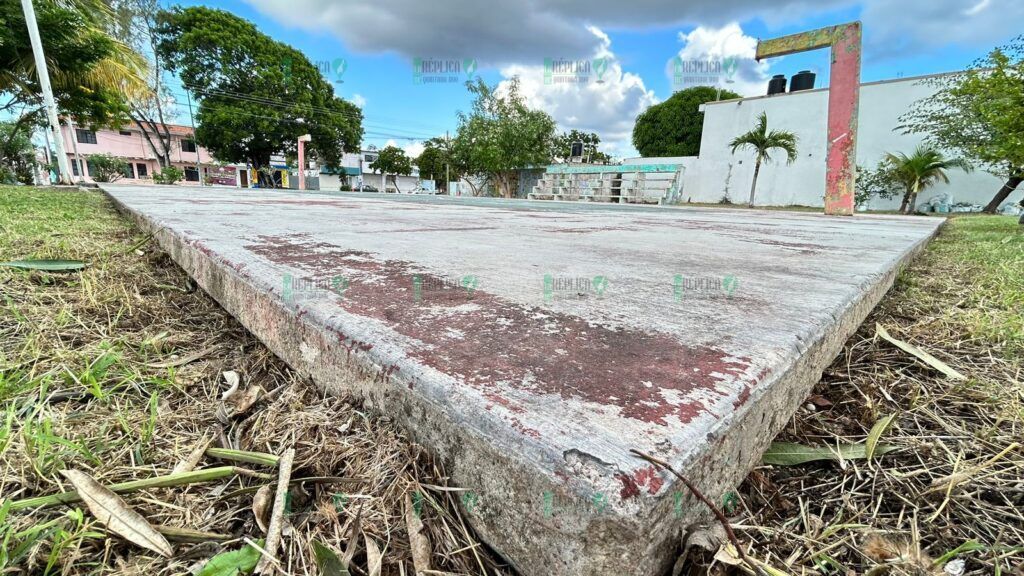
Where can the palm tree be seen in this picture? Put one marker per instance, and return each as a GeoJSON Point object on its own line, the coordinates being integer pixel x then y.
{"type": "Point", "coordinates": [762, 141]}
{"type": "Point", "coordinates": [922, 169]}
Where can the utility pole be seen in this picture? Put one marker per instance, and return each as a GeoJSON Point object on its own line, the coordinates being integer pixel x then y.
{"type": "Point", "coordinates": [192, 119]}
{"type": "Point", "coordinates": [44, 84]}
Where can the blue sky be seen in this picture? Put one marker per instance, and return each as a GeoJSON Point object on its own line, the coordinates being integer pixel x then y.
{"type": "Point", "coordinates": [638, 41]}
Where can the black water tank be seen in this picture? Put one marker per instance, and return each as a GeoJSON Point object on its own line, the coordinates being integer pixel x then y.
{"type": "Point", "coordinates": [802, 80]}
{"type": "Point", "coordinates": [777, 85]}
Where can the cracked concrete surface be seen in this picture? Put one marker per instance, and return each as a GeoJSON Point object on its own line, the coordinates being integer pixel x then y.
{"type": "Point", "coordinates": [531, 345]}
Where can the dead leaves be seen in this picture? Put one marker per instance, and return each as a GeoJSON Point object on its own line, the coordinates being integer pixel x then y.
{"type": "Point", "coordinates": [236, 401]}
{"type": "Point", "coordinates": [418, 543]}
{"type": "Point", "coordinates": [919, 354]}
{"type": "Point", "coordinates": [110, 510]}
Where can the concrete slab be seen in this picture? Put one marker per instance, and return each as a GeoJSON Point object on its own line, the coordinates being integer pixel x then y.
{"type": "Point", "coordinates": [531, 345]}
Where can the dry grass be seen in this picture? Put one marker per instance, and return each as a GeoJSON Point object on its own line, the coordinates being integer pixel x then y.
{"type": "Point", "coordinates": [954, 491]}
{"type": "Point", "coordinates": [117, 371]}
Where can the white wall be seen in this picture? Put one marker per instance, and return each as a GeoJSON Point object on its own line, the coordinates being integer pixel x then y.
{"type": "Point", "coordinates": [803, 182]}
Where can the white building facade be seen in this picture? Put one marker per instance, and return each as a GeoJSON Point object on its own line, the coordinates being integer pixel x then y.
{"type": "Point", "coordinates": [355, 169]}
{"type": "Point", "coordinates": [717, 173]}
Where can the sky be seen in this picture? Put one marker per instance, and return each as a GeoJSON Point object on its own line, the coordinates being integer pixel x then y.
{"type": "Point", "coordinates": [596, 65]}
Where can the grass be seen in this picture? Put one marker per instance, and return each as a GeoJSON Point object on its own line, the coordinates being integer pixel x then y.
{"type": "Point", "coordinates": [117, 371]}
{"type": "Point", "coordinates": [952, 490]}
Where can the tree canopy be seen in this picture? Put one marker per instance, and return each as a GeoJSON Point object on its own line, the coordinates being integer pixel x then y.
{"type": "Point", "coordinates": [392, 161]}
{"type": "Point", "coordinates": [436, 162]}
{"type": "Point", "coordinates": [501, 134]}
{"type": "Point", "coordinates": [564, 141]}
{"type": "Point", "coordinates": [979, 114]}
{"type": "Point", "coordinates": [91, 72]}
{"type": "Point", "coordinates": [256, 95]}
{"type": "Point", "coordinates": [674, 127]}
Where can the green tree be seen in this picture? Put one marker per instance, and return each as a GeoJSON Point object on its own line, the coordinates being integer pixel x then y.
{"type": "Point", "coordinates": [91, 72]}
{"type": "Point", "coordinates": [168, 175]}
{"type": "Point", "coordinates": [980, 115]}
{"type": "Point", "coordinates": [17, 155]}
{"type": "Point", "coordinates": [762, 141]}
{"type": "Point", "coordinates": [922, 169]}
{"type": "Point", "coordinates": [436, 163]}
{"type": "Point", "coordinates": [879, 181]}
{"type": "Point", "coordinates": [392, 161]}
{"type": "Point", "coordinates": [674, 127]}
{"type": "Point", "coordinates": [501, 135]}
{"type": "Point", "coordinates": [135, 23]}
{"type": "Point", "coordinates": [106, 168]}
{"type": "Point", "coordinates": [565, 140]}
{"type": "Point", "coordinates": [256, 95]}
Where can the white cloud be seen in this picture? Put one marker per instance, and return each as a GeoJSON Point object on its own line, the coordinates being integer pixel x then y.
{"type": "Point", "coordinates": [358, 100]}
{"type": "Point", "coordinates": [705, 44]}
{"type": "Point", "coordinates": [412, 149]}
{"type": "Point", "coordinates": [608, 107]}
{"type": "Point", "coordinates": [890, 33]}
{"type": "Point", "coordinates": [510, 31]}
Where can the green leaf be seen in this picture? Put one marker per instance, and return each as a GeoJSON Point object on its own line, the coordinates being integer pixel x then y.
{"type": "Point", "coordinates": [920, 354]}
{"type": "Point", "coordinates": [791, 454]}
{"type": "Point", "coordinates": [47, 265]}
{"type": "Point", "coordinates": [327, 561]}
{"type": "Point", "coordinates": [232, 563]}
{"type": "Point", "coordinates": [880, 428]}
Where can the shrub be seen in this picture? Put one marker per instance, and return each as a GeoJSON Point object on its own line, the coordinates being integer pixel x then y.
{"type": "Point", "coordinates": [106, 168]}
{"type": "Point", "coordinates": [168, 175]}
{"type": "Point", "coordinates": [880, 181]}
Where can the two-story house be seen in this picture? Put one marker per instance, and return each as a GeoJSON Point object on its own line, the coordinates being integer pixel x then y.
{"type": "Point", "coordinates": [130, 144]}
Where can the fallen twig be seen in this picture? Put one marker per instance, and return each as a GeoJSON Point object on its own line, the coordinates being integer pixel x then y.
{"type": "Point", "coordinates": [277, 516]}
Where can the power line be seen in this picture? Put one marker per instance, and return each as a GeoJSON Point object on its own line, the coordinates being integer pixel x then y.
{"type": "Point", "coordinates": [300, 108]}
{"type": "Point", "coordinates": [274, 102]}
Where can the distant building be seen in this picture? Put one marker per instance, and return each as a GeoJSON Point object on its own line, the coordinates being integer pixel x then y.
{"type": "Point", "coordinates": [130, 144]}
{"type": "Point", "coordinates": [717, 173]}
{"type": "Point", "coordinates": [355, 170]}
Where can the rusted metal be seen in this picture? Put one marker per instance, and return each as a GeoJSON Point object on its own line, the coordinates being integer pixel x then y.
{"type": "Point", "coordinates": [843, 102]}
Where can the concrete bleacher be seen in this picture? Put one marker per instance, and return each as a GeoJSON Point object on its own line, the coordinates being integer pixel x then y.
{"type": "Point", "coordinates": [623, 184]}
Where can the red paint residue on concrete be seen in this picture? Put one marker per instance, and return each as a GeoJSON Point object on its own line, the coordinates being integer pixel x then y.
{"type": "Point", "coordinates": [629, 487]}
{"type": "Point", "coordinates": [496, 346]}
{"type": "Point", "coordinates": [650, 478]}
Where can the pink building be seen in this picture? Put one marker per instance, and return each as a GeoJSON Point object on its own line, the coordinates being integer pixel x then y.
{"type": "Point", "coordinates": [130, 144]}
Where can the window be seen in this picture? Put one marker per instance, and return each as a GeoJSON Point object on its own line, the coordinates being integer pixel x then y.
{"type": "Point", "coordinates": [124, 133]}
{"type": "Point", "coordinates": [85, 136]}
{"type": "Point", "coordinates": [74, 168]}
{"type": "Point", "coordinates": [370, 157]}
{"type": "Point", "coordinates": [188, 145]}
{"type": "Point", "coordinates": [142, 170]}
{"type": "Point", "coordinates": [191, 174]}
{"type": "Point", "coordinates": [127, 170]}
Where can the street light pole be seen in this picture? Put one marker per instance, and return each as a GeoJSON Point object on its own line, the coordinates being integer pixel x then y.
{"type": "Point", "coordinates": [44, 84]}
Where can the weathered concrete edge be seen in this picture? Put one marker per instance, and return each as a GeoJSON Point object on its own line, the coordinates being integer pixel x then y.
{"type": "Point", "coordinates": [575, 543]}
{"type": "Point", "coordinates": [572, 544]}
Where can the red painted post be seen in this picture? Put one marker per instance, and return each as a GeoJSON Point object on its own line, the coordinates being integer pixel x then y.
{"type": "Point", "coordinates": [302, 160]}
{"type": "Point", "coordinates": [843, 103]}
